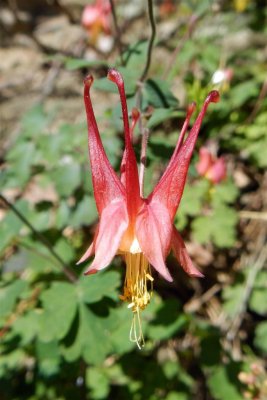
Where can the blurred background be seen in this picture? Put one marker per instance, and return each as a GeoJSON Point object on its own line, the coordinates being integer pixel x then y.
{"type": "Point", "coordinates": [66, 336]}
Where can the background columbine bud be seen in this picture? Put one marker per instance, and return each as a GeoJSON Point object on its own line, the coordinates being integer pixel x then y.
{"type": "Point", "coordinates": [96, 19]}
{"type": "Point", "coordinates": [211, 167]}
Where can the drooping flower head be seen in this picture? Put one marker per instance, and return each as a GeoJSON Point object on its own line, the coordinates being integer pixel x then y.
{"type": "Point", "coordinates": [140, 229]}
{"type": "Point", "coordinates": [96, 18]}
{"type": "Point", "coordinates": [211, 167]}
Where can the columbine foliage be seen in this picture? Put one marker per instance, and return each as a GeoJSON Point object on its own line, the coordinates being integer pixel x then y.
{"type": "Point", "coordinates": [63, 340]}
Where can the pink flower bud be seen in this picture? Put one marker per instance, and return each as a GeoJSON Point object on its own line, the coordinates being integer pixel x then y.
{"type": "Point", "coordinates": [212, 168]}
{"type": "Point", "coordinates": [96, 18]}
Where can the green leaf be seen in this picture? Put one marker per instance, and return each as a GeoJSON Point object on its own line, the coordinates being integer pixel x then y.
{"type": "Point", "coordinates": [93, 288]}
{"type": "Point", "coordinates": [98, 382]}
{"type": "Point", "coordinates": [233, 296]}
{"type": "Point", "coordinates": [60, 306]}
{"type": "Point", "coordinates": [177, 396]}
{"type": "Point", "coordinates": [173, 369]}
{"type": "Point", "coordinates": [85, 213]}
{"type": "Point", "coordinates": [77, 63]}
{"type": "Point", "coordinates": [9, 295]}
{"type": "Point", "coordinates": [112, 145]}
{"type": "Point", "coordinates": [159, 149]}
{"type": "Point", "coordinates": [157, 93]}
{"type": "Point", "coordinates": [36, 259]}
{"type": "Point", "coordinates": [105, 85]}
{"type": "Point", "coordinates": [255, 151]}
{"type": "Point", "coordinates": [94, 338]}
{"type": "Point", "coordinates": [260, 340]}
{"type": "Point", "coordinates": [11, 225]}
{"type": "Point", "coordinates": [220, 229]}
{"type": "Point", "coordinates": [258, 298]}
{"type": "Point", "coordinates": [64, 250]}
{"type": "Point", "coordinates": [21, 157]}
{"type": "Point", "coordinates": [48, 357]}
{"type": "Point", "coordinates": [160, 115]}
{"type": "Point", "coordinates": [62, 215]}
{"type": "Point", "coordinates": [27, 326]}
{"type": "Point", "coordinates": [12, 361]}
{"type": "Point", "coordinates": [191, 203]}
{"type": "Point", "coordinates": [135, 56]}
{"type": "Point", "coordinates": [34, 121]}
{"type": "Point", "coordinates": [67, 178]}
{"type": "Point", "coordinates": [168, 321]}
{"type": "Point", "coordinates": [130, 79]}
{"type": "Point", "coordinates": [225, 192]}
{"type": "Point", "coordinates": [252, 140]}
{"type": "Point", "coordinates": [119, 324]}
{"type": "Point", "coordinates": [40, 219]}
{"type": "Point", "coordinates": [242, 92]}
{"type": "Point", "coordinates": [223, 382]}
{"type": "Point", "coordinates": [211, 341]}
{"type": "Point", "coordinates": [91, 342]}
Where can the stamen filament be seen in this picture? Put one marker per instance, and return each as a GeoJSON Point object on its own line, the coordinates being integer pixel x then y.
{"type": "Point", "coordinates": [136, 292]}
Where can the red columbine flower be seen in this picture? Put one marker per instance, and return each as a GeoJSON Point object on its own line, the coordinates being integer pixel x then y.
{"type": "Point", "coordinates": [212, 168]}
{"type": "Point", "coordinates": [96, 18]}
{"type": "Point", "coordinates": [140, 229]}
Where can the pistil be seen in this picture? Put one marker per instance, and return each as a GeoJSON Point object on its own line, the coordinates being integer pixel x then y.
{"type": "Point", "coordinates": [138, 288]}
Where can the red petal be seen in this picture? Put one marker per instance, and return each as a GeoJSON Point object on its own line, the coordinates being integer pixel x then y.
{"type": "Point", "coordinates": [189, 113]}
{"type": "Point", "coordinates": [91, 249]}
{"type": "Point", "coordinates": [135, 118]}
{"type": "Point", "coordinates": [182, 256]}
{"type": "Point", "coordinates": [113, 224]}
{"type": "Point", "coordinates": [179, 144]}
{"type": "Point", "coordinates": [129, 165]}
{"type": "Point", "coordinates": [153, 231]}
{"type": "Point", "coordinates": [170, 188]}
{"type": "Point", "coordinates": [107, 185]}
{"type": "Point", "coordinates": [89, 252]}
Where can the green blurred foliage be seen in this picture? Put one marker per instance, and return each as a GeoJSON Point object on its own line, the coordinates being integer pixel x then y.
{"type": "Point", "coordinates": [62, 340]}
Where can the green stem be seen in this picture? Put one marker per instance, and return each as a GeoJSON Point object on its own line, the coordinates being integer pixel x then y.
{"type": "Point", "coordinates": [67, 272]}
{"type": "Point", "coordinates": [151, 41]}
{"type": "Point", "coordinates": [117, 30]}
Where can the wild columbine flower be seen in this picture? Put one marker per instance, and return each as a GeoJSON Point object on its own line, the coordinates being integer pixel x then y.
{"type": "Point", "coordinates": [140, 229]}
{"type": "Point", "coordinates": [166, 8]}
{"type": "Point", "coordinates": [96, 18]}
{"type": "Point", "coordinates": [212, 168]}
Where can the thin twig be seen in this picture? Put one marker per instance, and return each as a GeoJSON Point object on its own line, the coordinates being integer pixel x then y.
{"type": "Point", "coordinates": [144, 131]}
{"type": "Point", "coordinates": [67, 272]}
{"type": "Point", "coordinates": [37, 252]}
{"type": "Point", "coordinates": [151, 40]}
{"type": "Point", "coordinates": [259, 215]}
{"type": "Point", "coordinates": [195, 304]}
{"type": "Point", "coordinates": [256, 262]}
{"type": "Point", "coordinates": [256, 267]}
{"type": "Point", "coordinates": [117, 30]}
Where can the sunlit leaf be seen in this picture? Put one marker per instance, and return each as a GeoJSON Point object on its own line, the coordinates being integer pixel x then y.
{"type": "Point", "coordinates": [93, 288]}
{"type": "Point", "coordinates": [60, 306]}
{"type": "Point", "coordinates": [223, 383]}
{"type": "Point", "coordinates": [9, 295]}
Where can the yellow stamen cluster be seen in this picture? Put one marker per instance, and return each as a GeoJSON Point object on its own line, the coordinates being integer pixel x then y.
{"type": "Point", "coordinates": [136, 293]}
